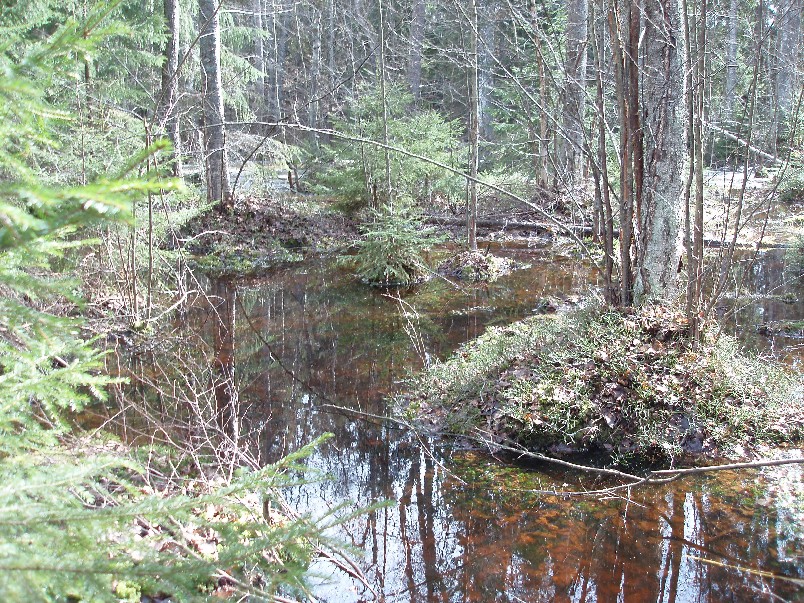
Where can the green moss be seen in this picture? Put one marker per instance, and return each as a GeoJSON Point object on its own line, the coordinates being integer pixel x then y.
{"type": "Point", "coordinates": [630, 385]}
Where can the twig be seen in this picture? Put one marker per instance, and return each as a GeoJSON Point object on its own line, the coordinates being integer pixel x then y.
{"type": "Point", "coordinates": [677, 473]}
{"type": "Point", "coordinates": [657, 477]}
{"type": "Point", "coordinates": [748, 570]}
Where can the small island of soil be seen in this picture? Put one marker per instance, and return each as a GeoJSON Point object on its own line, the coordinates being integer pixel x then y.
{"type": "Point", "coordinates": [629, 386]}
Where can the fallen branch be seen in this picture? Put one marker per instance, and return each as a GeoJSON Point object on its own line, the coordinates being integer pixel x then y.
{"type": "Point", "coordinates": [579, 229]}
{"type": "Point", "coordinates": [663, 476]}
{"type": "Point", "coordinates": [744, 143]}
{"type": "Point", "coordinates": [750, 570]}
{"type": "Point", "coordinates": [676, 473]}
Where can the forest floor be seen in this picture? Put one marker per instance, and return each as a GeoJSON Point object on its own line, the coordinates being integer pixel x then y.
{"type": "Point", "coordinates": [270, 229]}
{"type": "Point", "coordinates": [264, 231]}
{"type": "Point", "coordinates": [784, 223]}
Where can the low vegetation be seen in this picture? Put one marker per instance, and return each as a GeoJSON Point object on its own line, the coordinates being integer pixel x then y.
{"type": "Point", "coordinates": [393, 248]}
{"type": "Point", "coordinates": [628, 385]}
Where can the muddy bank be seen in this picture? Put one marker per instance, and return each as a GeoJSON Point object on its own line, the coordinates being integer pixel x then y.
{"type": "Point", "coordinates": [263, 231]}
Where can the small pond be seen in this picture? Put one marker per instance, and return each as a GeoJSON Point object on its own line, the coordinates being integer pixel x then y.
{"type": "Point", "coordinates": [465, 527]}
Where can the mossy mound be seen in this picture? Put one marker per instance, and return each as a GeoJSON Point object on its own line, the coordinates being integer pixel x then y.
{"type": "Point", "coordinates": [257, 223]}
{"type": "Point", "coordinates": [221, 261]}
{"type": "Point", "coordinates": [627, 385]}
{"type": "Point", "coordinates": [476, 266]}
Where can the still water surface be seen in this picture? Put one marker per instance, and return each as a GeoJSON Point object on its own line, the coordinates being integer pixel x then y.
{"type": "Point", "coordinates": [463, 526]}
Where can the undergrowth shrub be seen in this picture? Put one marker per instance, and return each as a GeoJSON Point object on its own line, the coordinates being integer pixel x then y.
{"type": "Point", "coordinates": [791, 187]}
{"type": "Point", "coordinates": [393, 248]}
{"type": "Point", "coordinates": [355, 172]}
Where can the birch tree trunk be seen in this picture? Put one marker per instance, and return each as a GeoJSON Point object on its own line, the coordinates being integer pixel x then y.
{"type": "Point", "coordinates": [215, 156]}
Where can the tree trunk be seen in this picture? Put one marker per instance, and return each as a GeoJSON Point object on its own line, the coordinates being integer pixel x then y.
{"type": "Point", "coordinates": [486, 49]}
{"type": "Point", "coordinates": [384, 101]}
{"type": "Point", "coordinates": [259, 57]}
{"type": "Point", "coordinates": [417, 26]}
{"type": "Point", "coordinates": [166, 112]}
{"type": "Point", "coordinates": [664, 133]}
{"type": "Point", "coordinates": [313, 111]}
{"type": "Point", "coordinates": [276, 73]}
{"type": "Point", "coordinates": [730, 93]}
{"type": "Point", "coordinates": [474, 129]}
{"type": "Point", "coordinates": [607, 230]}
{"type": "Point", "coordinates": [216, 160]}
{"type": "Point", "coordinates": [619, 28]}
{"type": "Point", "coordinates": [573, 93]}
{"type": "Point", "coordinates": [540, 160]}
{"type": "Point", "coordinates": [788, 65]}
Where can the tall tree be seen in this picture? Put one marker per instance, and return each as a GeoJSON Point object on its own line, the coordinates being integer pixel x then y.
{"type": "Point", "coordinates": [574, 91]}
{"type": "Point", "coordinates": [474, 126]}
{"type": "Point", "coordinates": [664, 135]}
{"type": "Point", "coordinates": [788, 64]}
{"type": "Point", "coordinates": [215, 155]}
{"type": "Point", "coordinates": [732, 47]}
{"type": "Point", "coordinates": [259, 55]}
{"type": "Point", "coordinates": [647, 42]}
{"type": "Point", "coordinates": [167, 110]}
{"type": "Point", "coordinates": [417, 26]}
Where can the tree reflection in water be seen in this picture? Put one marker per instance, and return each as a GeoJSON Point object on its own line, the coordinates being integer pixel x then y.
{"type": "Point", "coordinates": [463, 528]}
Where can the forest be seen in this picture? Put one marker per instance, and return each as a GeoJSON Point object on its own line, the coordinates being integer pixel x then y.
{"type": "Point", "coordinates": [383, 300]}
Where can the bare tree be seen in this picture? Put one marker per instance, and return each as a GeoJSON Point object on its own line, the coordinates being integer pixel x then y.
{"type": "Point", "coordinates": [167, 114]}
{"type": "Point", "coordinates": [574, 93]}
{"type": "Point", "coordinates": [417, 25]}
{"type": "Point", "coordinates": [474, 127]}
{"type": "Point", "coordinates": [788, 64]}
{"type": "Point", "coordinates": [215, 155]}
{"type": "Point", "coordinates": [732, 47]}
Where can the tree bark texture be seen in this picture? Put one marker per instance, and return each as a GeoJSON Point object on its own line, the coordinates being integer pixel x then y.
{"type": "Point", "coordinates": [216, 160]}
{"type": "Point", "coordinates": [665, 149]}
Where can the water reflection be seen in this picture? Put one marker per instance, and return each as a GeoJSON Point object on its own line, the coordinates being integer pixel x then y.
{"type": "Point", "coordinates": [465, 528]}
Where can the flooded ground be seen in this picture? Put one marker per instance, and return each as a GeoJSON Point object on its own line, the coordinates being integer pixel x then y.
{"type": "Point", "coordinates": [461, 526]}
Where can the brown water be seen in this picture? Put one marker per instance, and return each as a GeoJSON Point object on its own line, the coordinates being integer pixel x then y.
{"type": "Point", "coordinates": [464, 527]}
